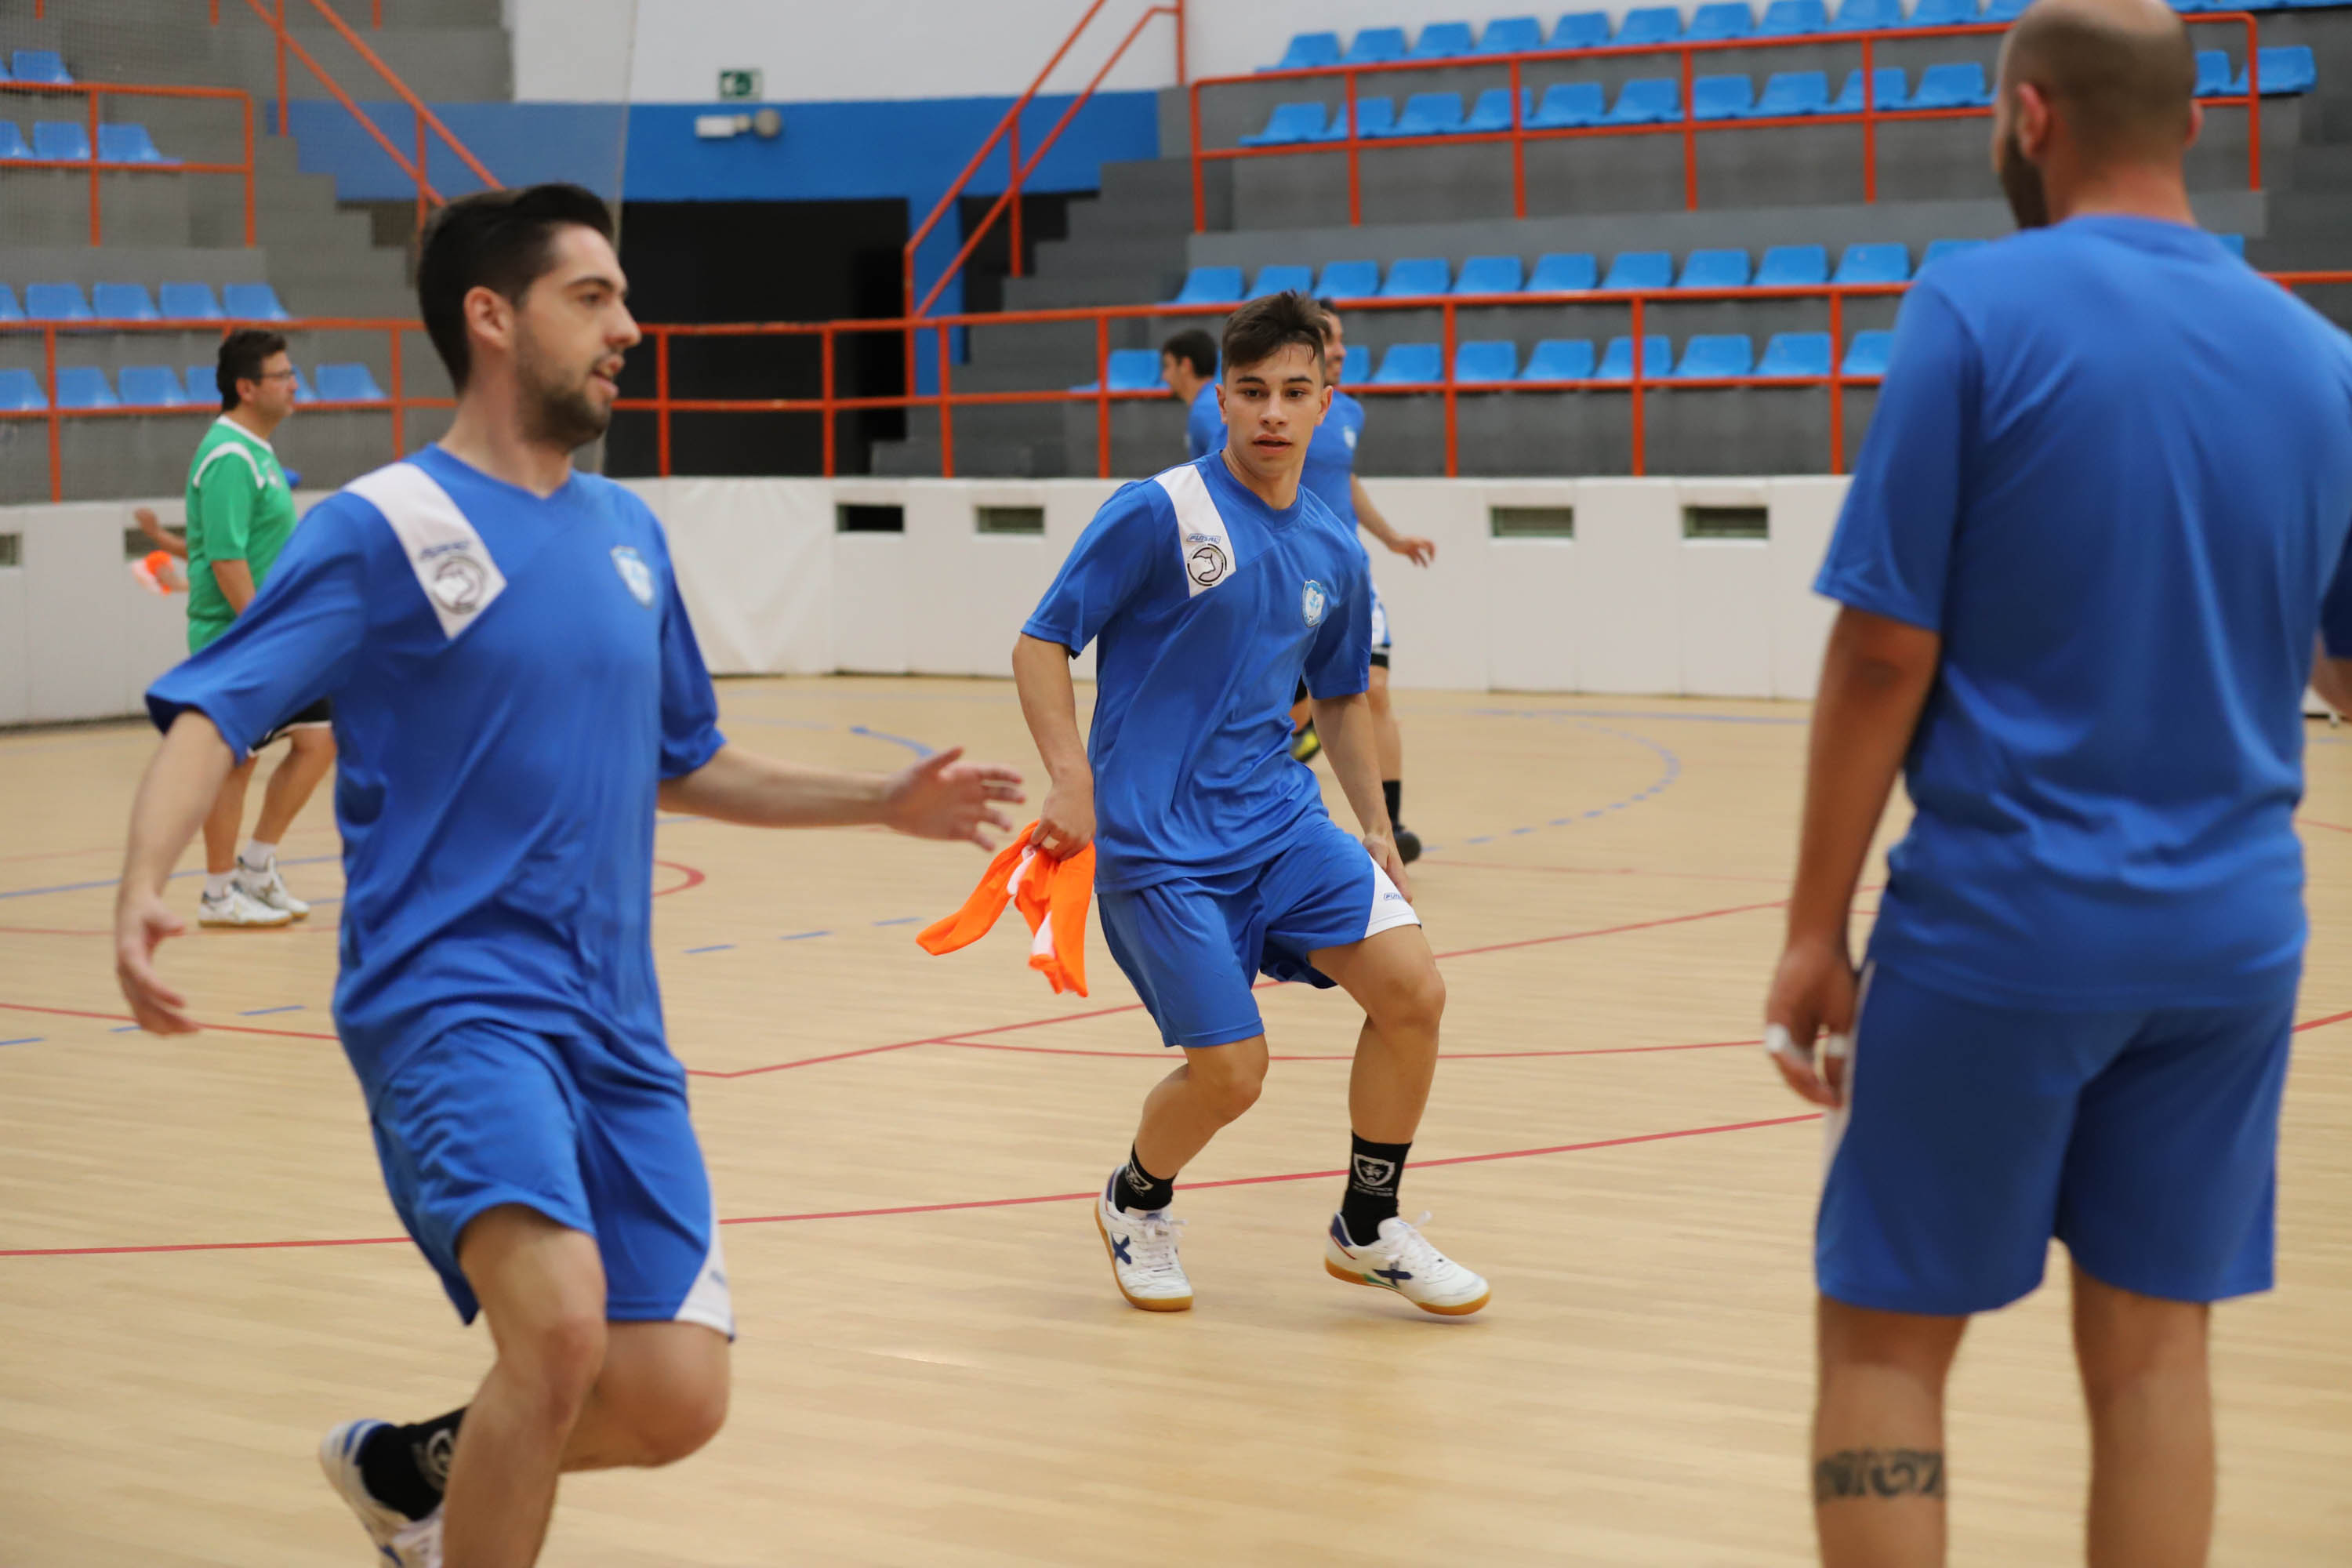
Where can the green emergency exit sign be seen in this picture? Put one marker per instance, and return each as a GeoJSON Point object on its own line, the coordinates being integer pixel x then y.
{"type": "Point", "coordinates": [738, 86]}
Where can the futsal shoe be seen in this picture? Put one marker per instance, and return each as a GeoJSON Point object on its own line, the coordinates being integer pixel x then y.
{"type": "Point", "coordinates": [402, 1541]}
{"type": "Point", "coordinates": [1142, 1248]}
{"type": "Point", "coordinates": [238, 908]}
{"type": "Point", "coordinates": [1403, 1261]}
{"type": "Point", "coordinates": [1304, 745]}
{"type": "Point", "coordinates": [1408, 845]}
{"type": "Point", "coordinates": [267, 888]}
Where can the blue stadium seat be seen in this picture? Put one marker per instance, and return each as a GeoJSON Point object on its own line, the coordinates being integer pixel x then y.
{"type": "Point", "coordinates": [84, 386]}
{"type": "Point", "coordinates": [1560, 359]}
{"type": "Point", "coordinates": [1617, 359]}
{"type": "Point", "coordinates": [1721, 20]}
{"type": "Point", "coordinates": [1308, 51]}
{"type": "Point", "coordinates": [1375, 46]}
{"type": "Point", "coordinates": [1793, 267]}
{"type": "Point", "coordinates": [129, 144]}
{"type": "Point", "coordinates": [1203, 286]}
{"type": "Point", "coordinates": [1407, 364]}
{"type": "Point", "coordinates": [301, 388]}
{"type": "Point", "coordinates": [1131, 369]}
{"type": "Point", "coordinates": [1793, 18]}
{"type": "Point", "coordinates": [1867, 355]}
{"type": "Point", "coordinates": [1485, 360]}
{"type": "Point", "coordinates": [2003, 10]}
{"type": "Point", "coordinates": [189, 302]}
{"type": "Point", "coordinates": [1289, 124]}
{"type": "Point", "coordinates": [62, 140]}
{"type": "Point", "coordinates": [1430, 114]}
{"type": "Point", "coordinates": [39, 65]}
{"type": "Point", "coordinates": [1511, 35]}
{"type": "Point", "coordinates": [1349, 280]}
{"type": "Point", "coordinates": [152, 386]}
{"type": "Point", "coordinates": [1282, 278]}
{"type": "Point", "coordinates": [1569, 103]}
{"type": "Point", "coordinates": [1490, 274]}
{"type": "Point", "coordinates": [1939, 249]}
{"type": "Point", "coordinates": [20, 392]}
{"type": "Point", "coordinates": [1885, 263]}
{"type": "Point", "coordinates": [2285, 71]}
{"type": "Point", "coordinates": [1581, 30]}
{"type": "Point", "coordinates": [1640, 269]}
{"type": "Point", "coordinates": [1713, 269]}
{"type": "Point", "coordinates": [204, 383]}
{"type": "Point", "coordinates": [1796, 354]}
{"type": "Point", "coordinates": [55, 302]}
{"type": "Point", "coordinates": [1417, 275]}
{"type": "Point", "coordinates": [121, 302]}
{"type": "Point", "coordinates": [1888, 87]}
{"type": "Point", "coordinates": [9, 310]}
{"type": "Point", "coordinates": [1714, 354]}
{"type": "Point", "coordinates": [11, 140]}
{"type": "Point", "coordinates": [1444, 41]}
{"type": "Point", "coordinates": [1650, 100]}
{"type": "Point", "coordinates": [252, 302]}
{"type": "Point", "coordinates": [1651, 25]}
{"type": "Point", "coordinates": [2214, 77]}
{"type": "Point", "coordinates": [1374, 117]}
{"type": "Point", "coordinates": [1957, 84]}
{"type": "Point", "coordinates": [1357, 368]}
{"type": "Point", "coordinates": [1492, 113]}
{"type": "Point", "coordinates": [1722, 98]}
{"type": "Point", "coordinates": [1790, 93]}
{"type": "Point", "coordinates": [1945, 14]}
{"type": "Point", "coordinates": [1126, 366]}
{"type": "Point", "coordinates": [1867, 16]}
{"type": "Point", "coordinates": [1561, 270]}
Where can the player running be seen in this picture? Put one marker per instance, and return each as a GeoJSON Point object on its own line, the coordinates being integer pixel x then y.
{"type": "Point", "coordinates": [1212, 590]}
{"type": "Point", "coordinates": [2090, 539]}
{"type": "Point", "coordinates": [516, 687]}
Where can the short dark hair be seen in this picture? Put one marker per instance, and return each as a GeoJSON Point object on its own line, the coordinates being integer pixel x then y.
{"type": "Point", "coordinates": [242, 355]}
{"type": "Point", "coordinates": [1195, 348]}
{"type": "Point", "coordinates": [2125, 86]}
{"type": "Point", "coordinates": [501, 241]}
{"type": "Point", "coordinates": [1271, 323]}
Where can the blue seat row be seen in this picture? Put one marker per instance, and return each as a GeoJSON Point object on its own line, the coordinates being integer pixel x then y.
{"type": "Point", "coordinates": [129, 302]}
{"type": "Point", "coordinates": [67, 141]}
{"type": "Point", "coordinates": [1494, 363]}
{"type": "Point", "coordinates": [2285, 72]}
{"type": "Point", "coordinates": [41, 67]}
{"type": "Point", "coordinates": [161, 386]}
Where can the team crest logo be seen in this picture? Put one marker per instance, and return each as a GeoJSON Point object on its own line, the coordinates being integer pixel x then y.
{"type": "Point", "coordinates": [1313, 601]}
{"type": "Point", "coordinates": [458, 582]}
{"type": "Point", "coordinates": [1376, 1174]}
{"type": "Point", "coordinates": [1206, 561]}
{"type": "Point", "coordinates": [634, 572]}
{"type": "Point", "coordinates": [1350, 435]}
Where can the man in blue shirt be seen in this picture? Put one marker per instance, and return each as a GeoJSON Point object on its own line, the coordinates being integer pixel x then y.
{"type": "Point", "coordinates": [2100, 517]}
{"type": "Point", "coordinates": [1188, 364]}
{"type": "Point", "coordinates": [515, 686]}
{"type": "Point", "coordinates": [1209, 592]}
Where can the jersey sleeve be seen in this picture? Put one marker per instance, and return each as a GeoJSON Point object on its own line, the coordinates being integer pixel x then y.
{"type": "Point", "coordinates": [1894, 540]}
{"type": "Point", "coordinates": [690, 707]}
{"type": "Point", "coordinates": [1110, 564]}
{"type": "Point", "coordinates": [1339, 663]}
{"type": "Point", "coordinates": [1205, 427]}
{"type": "Point", "coordinates": [296, 643]}
{"type": "Point", "coordinates": [229, 493]}
{"type": "Point", "coordinates": [2336, 610]}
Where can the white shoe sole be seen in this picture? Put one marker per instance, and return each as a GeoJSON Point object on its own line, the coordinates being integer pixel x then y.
{"type": "Point", "coordinates": [1462, 1310]}
{"type": "Point", "coordinates": [225, 923]}
{"type": "Point", "coordinates": [379, 1522]}
{"type": "Point", "coordinates": [1145, 1304]}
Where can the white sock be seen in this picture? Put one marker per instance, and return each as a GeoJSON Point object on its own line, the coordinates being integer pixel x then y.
{"type": "Point", "coordinates": [258, 856]}
{"type": "Point", "coordinates": [216, 884]}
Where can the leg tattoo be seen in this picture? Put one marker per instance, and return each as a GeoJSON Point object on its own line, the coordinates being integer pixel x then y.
{"type": "Point", "coordinates": [1878, 1473]}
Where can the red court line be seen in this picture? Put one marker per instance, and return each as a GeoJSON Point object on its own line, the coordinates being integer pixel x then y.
{"type": "Point", "coordinates": [1602, 871]}
{"type": "Point", "coordinates": [1139, 1054]}
{"type": "Point", "coordinates": [2331, 826]}
{"type": "Point", "coordinates": [694, 879]}
{"type": "Point", "coordinates": [127, 1018]}
{"type": "Point", "coordinates": [1612, 930]}
{"type": "Point", "coordinates": [48, 931]}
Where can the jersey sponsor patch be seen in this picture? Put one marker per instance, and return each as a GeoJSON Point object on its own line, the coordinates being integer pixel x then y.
{"type": "Point", "coordinates": [1313, 600]}
{"type": "Point", "coordinates": [634, 572]}
{"type": "Point", "coordinates": [1204, 545]}
{"type": "Point", "coordinates": [452, 564]}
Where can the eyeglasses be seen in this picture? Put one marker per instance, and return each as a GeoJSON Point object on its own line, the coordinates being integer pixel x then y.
{"type": "Point", "coordinates": [278, 375]}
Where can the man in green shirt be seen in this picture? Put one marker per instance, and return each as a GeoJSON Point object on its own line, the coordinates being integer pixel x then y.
{"type": "Point", "coordinates": [240, 515]}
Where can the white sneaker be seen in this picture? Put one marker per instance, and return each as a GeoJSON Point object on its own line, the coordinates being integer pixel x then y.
{"type": "Point", "coordinates": [238, 908]}
{"type": "Point", "coordinates": [1142, 1248]}
{"type": "Point", "coordinates": [268, 888]}
{"type": "Point", "coordinates": [1403, 1261]}
{"type": "Point", "coordinates": [404, 1542]}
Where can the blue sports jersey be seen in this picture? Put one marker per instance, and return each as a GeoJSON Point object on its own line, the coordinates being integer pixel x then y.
{"type": "Point", "coordinates": [1330, 469]}
{"type": "Point", "coordinates": [511, 678]}
{"type": "Point", "coordinates": [2112, 467]}
{"type": "Point", "coordinates": [1209, 604]}
{"type": "Point", "coordinates": [1204, 424]}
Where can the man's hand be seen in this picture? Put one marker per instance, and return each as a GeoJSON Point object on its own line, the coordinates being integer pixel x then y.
{"type": "Point", "coordinates": [1421, 552]}
{"type": "Point", "coordinates": [1383, 851]}
{"type": "Point", "coordinates": [142, 922]}
{"type": "Point", "coordinates": [943, 797]}
{"type": "Point", "coordinates": [1812, 995]}
{"type": "Point", "coordinates": [1065, 823]}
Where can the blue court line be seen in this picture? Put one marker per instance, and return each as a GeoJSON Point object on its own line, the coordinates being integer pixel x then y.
{"type": "Point", "coordinates": [715, 947]}
{"type": "Point", "coordinates": [28, 1040]}
{"type": "Point", "coordinates": [901, 920]}
{"type": "Point", "coordinates": [263, 1012]}
{"type": "Point", "coordinates": [1665, 781]}
{"type": "Point", "coordinates": [804, 935]}
{"type": "Point", "coordinates": [917, 747]}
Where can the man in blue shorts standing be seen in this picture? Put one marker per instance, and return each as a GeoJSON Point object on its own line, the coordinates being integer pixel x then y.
{"type": "Point", "coordinates": [1212, 591]}
{"type": "Point", "coordinates": [515, 687]}
{"type": "Point", "coordinates": [2100, 517]}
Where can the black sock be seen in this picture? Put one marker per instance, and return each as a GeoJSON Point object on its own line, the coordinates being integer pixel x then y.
{"type": "Point", "coordinates": [1374, 1172]}
{"type": "Point", "coordinates": [1393, 789]}
{"type": "Point", "coordinates": [1140, 1192]}
{"type": "Point", "coordinates": [407, 1468]}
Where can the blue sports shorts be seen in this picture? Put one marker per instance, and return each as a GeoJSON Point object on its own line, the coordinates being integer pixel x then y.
{"type": "Point", "coordinates": [487, 1115]}
{"type": "Point", "coordinates": [2146, 1140]}
{"type": "Point", "coordinates": [1192, 946]}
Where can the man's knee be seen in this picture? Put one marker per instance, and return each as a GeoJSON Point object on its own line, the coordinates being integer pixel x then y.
{"type": "Point", "coordinates": [1861, 1337]}
{"type": "Point", "coordinates": [665, 1383]}
{"type": "Point", "coordinates": [313, 744]}
{"type": "Point", "coordinates": [1230, 1078]}
{"type": "Point", "coordinates": [1411, 1001]}
{"type": "Point", "coordinates": [684, 1417]}
{"type": "Point", "coordinates": [557, 1359]}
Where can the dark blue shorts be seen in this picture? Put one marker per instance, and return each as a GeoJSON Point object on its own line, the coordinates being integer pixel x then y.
{"type": "Point", "coordinates": [1192, 946]}
{"type": "Point", "coordinates": [2146, 1140]}
{"type": "Point", "coordinates": [489, 1115]}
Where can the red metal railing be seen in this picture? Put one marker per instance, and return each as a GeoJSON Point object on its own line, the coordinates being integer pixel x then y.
{"type": "Point", "coordinates": [1688, 127]}
{"type": "Point", "coordinates": [93, 92]}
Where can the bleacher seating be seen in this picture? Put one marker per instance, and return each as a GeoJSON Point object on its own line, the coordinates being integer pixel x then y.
{"type": "Point", "coordinates": [2285, 71]}
{"type": "Point", "coordinates": [1409, 364]}
{"type": "Point", "coordinates": [1569, 104]}
{"type": "Point", "coordinates": [1721, 20]}
{"type": "Point", "coordinates": [1490, 274]}
{"type": "Point", "coordinates": [84, 386]}
{"type": "Point", "coordinates": [1714, 355]}
{"type": "Point", "coordinates": [1511, 35]}
{"type": "Point", "coordinates": [1375, 46]}
{"type": "Point", "coordinates": [1131, 369]}
{"type": "Point", "coordinates": [1430, 114]}
{"type": "Point", "coordinates": [252, 302]}
{"type": "Point", "coordinates": [1646, 101]}
{"type": "Point", "coordinates": [1558, 358]}
{"type": "Point", "coordinates": [11, 140]}
{"type": "Point", "coordinates": [341, 383]}
{"type": "Point", "coordinates": [1493, 363]}
{"type": "Point", "coordinates": [1939, 249]}
{"type": "Point", "coordinates": [129, 143]}
{"type": "Point", "coordinates": [1357, 367]}
{"type": "Point", "coordinates": [121, 302]}
{"type": "Point", "coordinates": [1650, 25]}
{"type": "Point", "coordinates": [1867, 16]}
{"type": "Point", "coordinates": [62, 140]}
{"type": "Point", "coordinates": [152, 386]}
{"type": "Point", "coordinates": [1349, 280]}
{"type": "Point", "coordinates": [1867, 355]}
{"type": "Point", "coordinates": [1617, 359]}
{"type": "Point", "coordinates": [1443, 41]}
{"type": "Point", "coordinates": [188, 303]}
{"type": "Point", "coordinates": [1793, 267]}
{"type": "Point", "coordinates": [1492, 113]}
{"type": "Point", "coordinates": [204, 384]}
{"type": "Point", "coordinates": [1796, 354]}
{"type": "Point", "coordinates": [55, 302]}
{"type": "Point", "coordinates": [1282, 279]}
{"type": "Point", "coordinates": [1723, 97]}
{"type": "Point", "coordinates": [1486, 362]}
{"type": "Point", "coordinates": [9, 310]}
{"type": "Point", "coordinates": [1581, 30]}
{"type": "Point", "coordinates": [1874, 264]}
{"type": "Point", "coordinates": [1308, 51]}
{"type": "Point", "coordinates": [1640, 269]}
{"type": "Point", "coordinates": [1793, 20]}
{"type": "Point", "coordinates": [1417, 275]}
{"type": "Point", "coordinates": [1563, 270]}
{"type": "Point", "coordinates": [44, 65]}
{"type": "Point", "coordinates": [1713, 269]}
{"type": "Point", "coordinates": [1958, 85]}
{"type": "Point", "coordinates": [1204, 286]}
{"type": "Point", "coordinates": [20, 392]}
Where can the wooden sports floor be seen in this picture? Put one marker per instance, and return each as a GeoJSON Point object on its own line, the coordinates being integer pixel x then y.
{"type": "Point", "coordinates": [199, 1272]}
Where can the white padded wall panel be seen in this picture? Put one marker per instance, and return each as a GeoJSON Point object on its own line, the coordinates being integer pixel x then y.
{"type": "Point", "coordinates": [15, 669]}
{"type": "Point", "coordinates": [1722, 618]}
{"type": "Point", "coordinates": [1804, 515]}
{"type": "Point", "coordinates": [75, 611]}
{"type": "Point", "coordinates": [1629, 539]}
{"type": "Point", "coordinates": [754, 561]}
{"type": "Point", "coordinates": [1434, 613]}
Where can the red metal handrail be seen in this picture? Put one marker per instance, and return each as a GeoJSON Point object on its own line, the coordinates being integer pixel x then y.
{"type": "Point", "coordinates": [1688, 127]}
{"type": "Point", "coordinates": [96, 166]}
